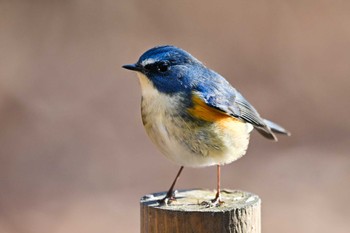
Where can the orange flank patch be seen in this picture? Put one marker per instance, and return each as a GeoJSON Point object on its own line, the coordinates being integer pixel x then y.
{"type": "Point", "coordinates": [204, 112]}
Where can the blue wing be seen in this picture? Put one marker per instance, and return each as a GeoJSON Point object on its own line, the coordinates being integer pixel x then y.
{"type": "Point", "coordinates": [219, 94]}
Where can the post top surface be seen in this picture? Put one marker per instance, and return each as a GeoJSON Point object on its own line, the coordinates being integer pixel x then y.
{"type": "Point", "coordinates": [191, 200]}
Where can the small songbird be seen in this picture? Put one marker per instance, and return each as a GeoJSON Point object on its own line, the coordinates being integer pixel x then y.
{"type": "Point", "coordinates": [193, 115]}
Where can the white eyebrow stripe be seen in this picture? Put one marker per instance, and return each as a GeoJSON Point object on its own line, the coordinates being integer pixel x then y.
{"type": "Point", "coordinates": [148, 61]}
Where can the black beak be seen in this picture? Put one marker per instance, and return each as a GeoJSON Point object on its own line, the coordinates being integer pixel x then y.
{"type": "Point", "coordinates": [135, 67]}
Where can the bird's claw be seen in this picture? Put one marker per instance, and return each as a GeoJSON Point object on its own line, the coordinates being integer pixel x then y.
{"type": "Point", "coordinates": [216, 202]}
{"type": "Point", "coordinates": [168, 199]}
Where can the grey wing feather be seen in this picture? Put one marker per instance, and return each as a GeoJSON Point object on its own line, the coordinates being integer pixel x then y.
{"type": "Point", "coordinates": [249, 114]}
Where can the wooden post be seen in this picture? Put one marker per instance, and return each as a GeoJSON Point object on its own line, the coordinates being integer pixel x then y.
{"type": "Point", "coordinates": [240, 213]}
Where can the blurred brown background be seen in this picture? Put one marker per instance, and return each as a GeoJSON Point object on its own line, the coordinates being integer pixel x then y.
{"type": "Point", "coordinates": [73, 153]}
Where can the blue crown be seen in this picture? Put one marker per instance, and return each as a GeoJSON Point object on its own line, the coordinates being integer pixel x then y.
{"type": "Point", "coordinates": [168, 53]}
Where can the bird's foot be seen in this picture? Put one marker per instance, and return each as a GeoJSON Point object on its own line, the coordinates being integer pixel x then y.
{"type": "Point", "coordinates": [216, 202]}
{"type": "Point", "coordinates": [168, 199]}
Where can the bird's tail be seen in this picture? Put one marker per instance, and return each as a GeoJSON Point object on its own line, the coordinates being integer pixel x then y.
{"type": "Point", "coordinates": [276, 128]}
{"type": "Point", "coordinates": [270, 129]}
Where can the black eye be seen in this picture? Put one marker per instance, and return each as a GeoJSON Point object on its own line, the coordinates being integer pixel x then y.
{"type": "Point", "coordinates": [163, 67]}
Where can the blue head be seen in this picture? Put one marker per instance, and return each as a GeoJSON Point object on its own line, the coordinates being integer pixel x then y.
{"type": "Point", "coordinates": [170, 69]}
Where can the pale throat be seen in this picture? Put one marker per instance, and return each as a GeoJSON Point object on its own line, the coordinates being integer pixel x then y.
{"type": "Point", "coordinates": [147, 87]}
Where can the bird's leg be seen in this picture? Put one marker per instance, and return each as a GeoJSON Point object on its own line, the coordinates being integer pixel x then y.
{"type": "Point", "coordinates": [217, 200]}
{"type": "Point", "coordinates": [170, 194]}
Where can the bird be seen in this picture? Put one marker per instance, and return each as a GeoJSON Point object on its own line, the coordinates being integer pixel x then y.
{"type": "Point", "coordinates": [194, 116]}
